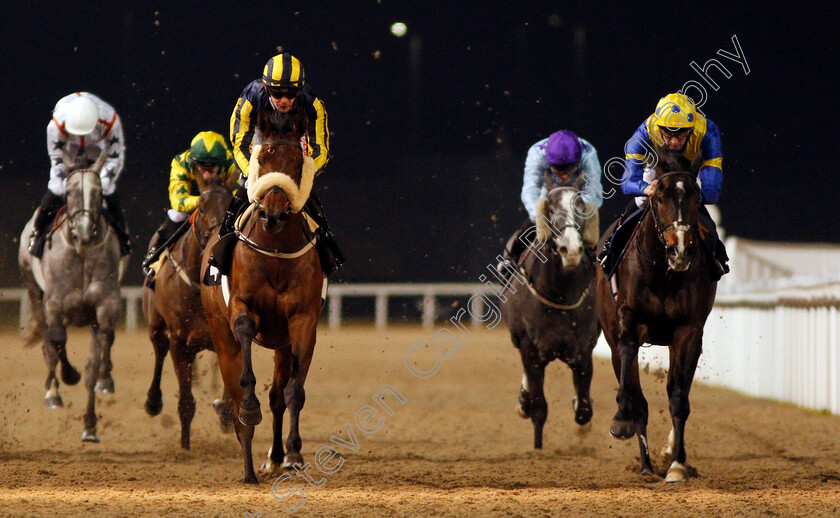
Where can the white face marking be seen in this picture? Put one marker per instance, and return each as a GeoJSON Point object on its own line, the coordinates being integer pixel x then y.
{"type": "Point", "coordinates": [681, 229]}
{"type": "Point", "coordinates": [571, 234]}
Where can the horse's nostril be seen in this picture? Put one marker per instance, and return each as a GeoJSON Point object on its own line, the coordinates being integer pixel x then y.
{"type": "Point", "coordinates": [564, 250]}
{"type": "Point", "coordinates": [671, 251]}
{"type": "Point", "coordinates": [262, 214]}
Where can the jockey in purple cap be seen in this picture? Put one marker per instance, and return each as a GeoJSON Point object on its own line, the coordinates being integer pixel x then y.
{"type": "Point", "coordinates": [565, 157]}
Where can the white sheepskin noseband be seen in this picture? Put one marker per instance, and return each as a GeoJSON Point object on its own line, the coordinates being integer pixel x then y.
{"type": "Point", "coordinates": [297, 194]}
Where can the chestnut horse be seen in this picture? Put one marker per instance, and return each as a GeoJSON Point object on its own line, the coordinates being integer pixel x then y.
{"type": "Point", "coordinates": [274, 296]}
{"type": "Point", "coordinates": [551, 312]}
{"type": "Point", "coordinates": [665, 293]}
{"type": "Point", "coordinates": [175, 315]}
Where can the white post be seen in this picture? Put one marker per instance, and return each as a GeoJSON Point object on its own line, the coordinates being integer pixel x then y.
{"type": "Point", "coordinates": [130, 311]}
{"type": "Point", "coordinates": [25, 310]}
{"type": "Point", "coordinates": [381, 310]}
{"type": "Point", "coordinates": [428, 309]}
{"type": "Point", "coordinates": [335, 311]}
{"type": "Point", "coordinates": [478, 307]}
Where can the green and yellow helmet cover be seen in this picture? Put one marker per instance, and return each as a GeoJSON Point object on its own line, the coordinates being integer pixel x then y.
{"type": "Point", "coordinates": [209, 146]}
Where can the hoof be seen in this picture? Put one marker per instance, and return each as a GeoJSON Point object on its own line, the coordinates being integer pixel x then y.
{"type": "Point", "coordinates": [676, 473]}
{"type": "Point", "coordinates": [70, 375]}
{"type": "Point", "coordinates": [154, 406]}
{"type": "Point", "coordinates": [105, 386]}
{"type": "Point", "coordinates": [224, 409]}
{"type": "Point", "coordinates": [291, 459]}
{"type": "Point", "coordinates": [89, 436]}
{"type": "Point", "coordinates": [583, 410]}
{"type": "Point", "coordinates": [647, 473]}
{"type": "Point", "coordinates": [622, 429]}
{"type": "Point", "coordinates": [523, 404]}
{"type": "Point", "coordinates": [250, 479]}
{"type": "Point", "coordinates": [250, 417]}
{"type": "Point", "coordinates": [53, 401]}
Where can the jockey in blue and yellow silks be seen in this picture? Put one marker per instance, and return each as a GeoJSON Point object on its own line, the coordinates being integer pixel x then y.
{"type": "Point", "coordinates": [208, 157]}
{"type": "Point", "coordinates": [676, 127]}
{"type": "Point", "coordinates": [282, 88]}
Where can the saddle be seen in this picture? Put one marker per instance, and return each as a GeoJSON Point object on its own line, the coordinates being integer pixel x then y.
{"type": "Point", "coordinates": [612, 248]}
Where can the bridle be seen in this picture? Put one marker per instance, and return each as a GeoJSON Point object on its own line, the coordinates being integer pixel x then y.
{"type": "Point", "coordinates": [73, 216]}
{"type": "Point", "coordinates": [273, 252]}
{"type": "Point", "coordinates": [280, 142]}
{"type": "Point", "coordinates": [679, 224]}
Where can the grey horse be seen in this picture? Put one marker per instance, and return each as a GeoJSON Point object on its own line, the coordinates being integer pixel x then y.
{"type": "Point", "coordinates": [76, 282]}
{"type": "Point", "coordinates": [550, 306]}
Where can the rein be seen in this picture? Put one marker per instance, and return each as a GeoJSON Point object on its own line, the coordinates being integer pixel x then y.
{"type": "Point", "coordinates": [548, 302]}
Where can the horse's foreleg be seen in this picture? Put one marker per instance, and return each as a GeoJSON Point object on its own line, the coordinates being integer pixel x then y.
{"type": "Point", "coordinates": [581, 366]}
{"type": "Point", "coordinates": [277, 402]}
{"type": "Point", "coordinates": [160, 343]}
{"type": "Point", "coordinates": [182, 360]}
{"type": "Point", "coordinates": [245, 328]}
{"type": "Point", "coordinates": [57, 340]}
{"type": "Point", "coordinates": [684, 354]}
{"type": "Point", "coordinates": [106, 317]}
{"type": "Point", "coordinates": [98, 338]}
{"type": "Point", "coordinates": [535, 377]}
{"type": "Point", "coordinates": [302, 334]}
{"type": "Point", "coordinates": [622, 426]}
{"type": "Point", "coordinates": [105, 383]}
{"type": "Point", "coordinates": [52, 399]}
{"type": "Point", "coordinates": [230, 365]}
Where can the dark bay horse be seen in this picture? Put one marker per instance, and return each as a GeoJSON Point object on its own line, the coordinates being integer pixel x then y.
{"type": "Point", "coordinates": [664, 295]}
{"type": "Point", "coordinates": [550, 311]}
{"type": "Point", "coordinates": [274, 296]}
{"type": "Point", "coordinates": [76, 282]}
{"type": "Point", "coordinates": [175, 315]}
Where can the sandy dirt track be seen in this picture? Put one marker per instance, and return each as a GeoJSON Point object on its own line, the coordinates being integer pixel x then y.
{"type": "Point", "coordinates": [455, 448]}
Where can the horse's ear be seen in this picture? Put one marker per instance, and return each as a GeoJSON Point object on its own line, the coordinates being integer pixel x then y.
{"type": "Point", "coordinates": [696, 164]}
{"type": "Point", "coordinates": [263, 121]}
{"type": "Point", "coordinates": [549, 182]}
{"type": "Point", "coordinates": [666, 162]}
{"type": "Point", "coordinates": [580, 181]}
{"type": "Point", "coordinates": [301, 122]}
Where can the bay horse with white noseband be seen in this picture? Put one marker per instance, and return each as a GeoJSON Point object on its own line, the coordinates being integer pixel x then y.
{"type": "Point", "coordinates": [275, 289]}
{"type": "Point", "coordinates": [664, 296]}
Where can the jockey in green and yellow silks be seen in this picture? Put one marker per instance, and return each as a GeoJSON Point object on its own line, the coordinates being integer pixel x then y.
{"type": "Point", "coordinates": [210, 159]}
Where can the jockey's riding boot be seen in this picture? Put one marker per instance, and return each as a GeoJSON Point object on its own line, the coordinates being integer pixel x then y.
{"type": "Point", "coordinates": [50, 203]}
{"type": "Point", "coordinates": [719, 259]}
{"type": "Point", "coordinates": [114, 214]}
{"type": "Point", "coordinates": [162, 235]}
{"type": "Point", "coordinates": [514, 249]}
{"type": "Point", "coordinates": [328, 251]}
{"type": "Point", "coordinates": [223, 249]}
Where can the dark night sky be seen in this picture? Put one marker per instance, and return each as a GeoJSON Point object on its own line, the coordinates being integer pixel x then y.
{"type": "Point", "coordinates": [426, 170]}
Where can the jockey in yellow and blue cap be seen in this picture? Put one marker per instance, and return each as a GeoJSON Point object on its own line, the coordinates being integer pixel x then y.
{"type": "Point", "coordinates": [283, 87]}
{"type": "Point", "coordinates": [677, 127]}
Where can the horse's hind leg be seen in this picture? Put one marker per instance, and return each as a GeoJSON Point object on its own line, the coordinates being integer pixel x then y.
{"type": "Point", "coordinates": [52, 399]}
{"type": "Point", "coordinates": [684, 354]}
{"type": "Point", "coordinates": [160, 343]}
{"type": "Point", "coordinates": [182, 360]}
{"type": "Point", "coordinates": [224, 409]}
{"type": "Point", "coordinates": [535, 377]}
{"type": "Point", "coordinates": [277, 402]}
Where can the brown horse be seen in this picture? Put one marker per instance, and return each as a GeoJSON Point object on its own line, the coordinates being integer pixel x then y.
{"type": "Point", "coordinates": [552, 315]}
{"type": "Point", "coordinates": [275, 289]}
{"type": "Point", "coordinates": [664, 295]}
{"type": "Point", "coordinates": [175, 315]}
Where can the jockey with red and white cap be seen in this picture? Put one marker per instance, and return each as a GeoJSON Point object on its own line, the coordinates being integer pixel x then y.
{"type": "Point", "coordinates": [83, 127]}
